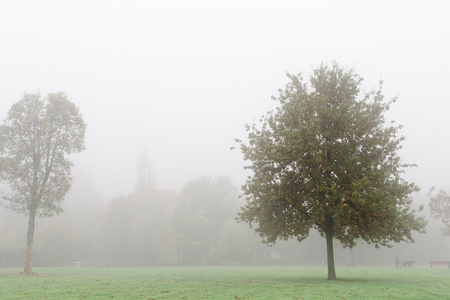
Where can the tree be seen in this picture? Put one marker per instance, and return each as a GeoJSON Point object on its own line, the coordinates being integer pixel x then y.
{"type": "Point", "coordinates": [8, 245]}
{"type": "Point", "coordinates": [203, 207]}
{"type": "Point", "coordinates": [138, 225]}
{"type": "Point", "coordinates": [440, 209]}
{"type": "Point", "coordinates": [55, 243]}
{"type": "Point", "coordinates": [325, 159]}
{"type": "Point", "coordinates": [234, 244]}
{"type": "Point", "coordinates": [146, 174]}
{"type": "Point", "coordinates": [35, 139]}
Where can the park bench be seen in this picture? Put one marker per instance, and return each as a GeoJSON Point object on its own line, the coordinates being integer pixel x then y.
{"type": "Point", "coordinates": [440, 262]}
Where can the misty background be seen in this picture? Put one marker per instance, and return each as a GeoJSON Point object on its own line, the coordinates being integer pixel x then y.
{"type": "Point", "coordinates": [168, 85]}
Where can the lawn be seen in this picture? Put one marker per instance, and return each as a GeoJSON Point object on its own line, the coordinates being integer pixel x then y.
{"type": "Point", "coordinates": [226, 283]}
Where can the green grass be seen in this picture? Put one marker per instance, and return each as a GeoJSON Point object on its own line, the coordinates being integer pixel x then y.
{"type": "Point", "coordinates": [226, 283]}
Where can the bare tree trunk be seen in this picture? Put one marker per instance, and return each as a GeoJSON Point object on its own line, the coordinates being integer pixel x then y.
{"type": "Point", "coordinates": [30, 239]}
{"type": "Point", "coordinates": [178, 251]}
{"type": "Point", "coordinates": [352, 260]}
{"type": "Point", "coordinates": [330, 256]}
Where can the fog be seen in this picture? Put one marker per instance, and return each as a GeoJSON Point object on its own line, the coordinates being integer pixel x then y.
{"type": "Point", "coordinates": [179, 79]}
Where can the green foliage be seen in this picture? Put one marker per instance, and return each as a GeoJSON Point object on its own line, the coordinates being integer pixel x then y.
{"type": "Point", "coordinates": [8, 245]}
{"type": "Point", "coordinates": [440, 209]}
{"type": "Point", "coordinates": [35, 140]}
{"type": "Point", "coordinates": [55, 241]}
{"type": "Point", "coordinates": [203, 207]}
{"type": "Point", "coordinates": [139, 228]}
{"type": "Point", "coordinates": [325, 159]}
{"type": "Point", "coordinates": [157, 227]}
{"type": "Point", "coordinates": [233, 246]}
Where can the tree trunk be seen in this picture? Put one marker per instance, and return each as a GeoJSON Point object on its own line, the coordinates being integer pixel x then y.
{"type": "Point", "coordinates": [330, 256]}
{"type": "Point", "coordinates": [30, 238]}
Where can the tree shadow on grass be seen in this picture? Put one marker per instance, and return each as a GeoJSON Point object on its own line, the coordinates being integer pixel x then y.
{"type": "Point", "coordinates": [322, 279]}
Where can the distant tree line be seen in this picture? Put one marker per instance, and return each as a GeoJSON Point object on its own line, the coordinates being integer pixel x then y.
{"type": "Point", "coordinates": [148, 227]}
{"type": "Point", "coordinates": [157, 227]}
{"type": "Point", "coordinates": [152, 227]}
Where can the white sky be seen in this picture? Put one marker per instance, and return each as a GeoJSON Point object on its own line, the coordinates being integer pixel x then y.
{"type": "Point", "coordinates": [180, 78]}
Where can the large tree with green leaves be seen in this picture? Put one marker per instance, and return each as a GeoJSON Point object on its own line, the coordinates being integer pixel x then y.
{"type": "Point", "coordinates": [326, 159]}
{"type": "Point", "coordinates": [36, 138]}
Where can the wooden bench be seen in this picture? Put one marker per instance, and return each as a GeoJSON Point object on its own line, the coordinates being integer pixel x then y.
{"type": "Point", "coordinates": [440, 262]}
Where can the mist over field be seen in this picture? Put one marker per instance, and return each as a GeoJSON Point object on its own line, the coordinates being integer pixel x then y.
{"type": "Point", "coordinates": [166, 86]}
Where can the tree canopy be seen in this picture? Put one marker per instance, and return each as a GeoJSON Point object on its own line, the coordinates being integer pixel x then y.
{"type": "Point", "coordinates": [203, 207]}
{"type": "Point", "coordinates": [326, 159]}
{"type": "Point", "coordinates": [440, 209]}
{"type": "Point", "coordinates": [35, 139]}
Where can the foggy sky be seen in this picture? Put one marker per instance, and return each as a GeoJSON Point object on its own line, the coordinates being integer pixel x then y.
{"type": "Point", "coordinates": [180, 78]}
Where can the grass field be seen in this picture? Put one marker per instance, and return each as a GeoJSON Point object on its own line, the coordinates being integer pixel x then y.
{"type": "Point", "coordinates": [226, 283]}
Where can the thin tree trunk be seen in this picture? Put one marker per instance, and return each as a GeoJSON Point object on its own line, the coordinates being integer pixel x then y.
{"type": "Point", "coordinates": [352, 258]}
{"type": "Point", "coordinates": [30, 239]}
{"type": "Point", "coordinates": [178, 251]}
{"type": "Point", "coordinates": [330, 256]}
